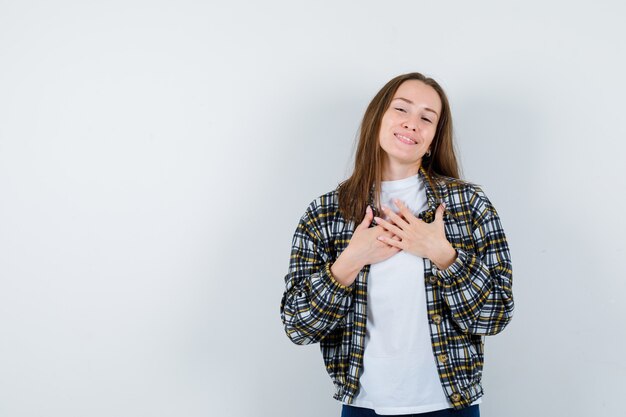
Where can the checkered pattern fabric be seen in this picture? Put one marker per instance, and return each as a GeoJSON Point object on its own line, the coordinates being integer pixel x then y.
{"type": "Point", "coordinates": [468, 300]}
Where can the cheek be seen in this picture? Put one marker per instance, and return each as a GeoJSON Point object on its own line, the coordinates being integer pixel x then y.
{"type": "Point", "coordinates": [389, 119]}
{"type": "Point", "coordinates": [386, 126]}
{"type": "Point", "coordinates": [431, 133]}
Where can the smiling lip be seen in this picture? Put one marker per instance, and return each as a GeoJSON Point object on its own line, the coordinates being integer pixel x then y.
{"type": "Point", "coordinates": [405, 138]}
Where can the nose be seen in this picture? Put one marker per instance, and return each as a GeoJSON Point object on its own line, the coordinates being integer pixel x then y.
{"type": "Point", "coordinates": [409, 125]}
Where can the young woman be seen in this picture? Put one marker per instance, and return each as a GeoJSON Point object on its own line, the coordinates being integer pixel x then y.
{"type": "Point", "coordinates": [401, 271]}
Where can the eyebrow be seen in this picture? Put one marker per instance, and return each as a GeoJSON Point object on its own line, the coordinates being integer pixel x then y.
{"type": "Point", "coordinates": [410, 102]}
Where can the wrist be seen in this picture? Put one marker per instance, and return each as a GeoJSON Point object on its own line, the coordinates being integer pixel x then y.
{"type": "Point", "coordinates": [345, 269]}
{"type": "Point", "coordinates": [347, 258]}
{"type": "Point", "coordinates": [444, 255]}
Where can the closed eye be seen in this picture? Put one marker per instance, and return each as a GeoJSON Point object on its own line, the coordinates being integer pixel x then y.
{"type": "Point", "coordinates": [423, 118]}
{"type": "Point", "coordinates": [400, 109]}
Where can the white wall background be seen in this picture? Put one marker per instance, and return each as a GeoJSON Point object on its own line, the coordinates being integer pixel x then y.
{"type": "Point", "coordinates": [155, 157]}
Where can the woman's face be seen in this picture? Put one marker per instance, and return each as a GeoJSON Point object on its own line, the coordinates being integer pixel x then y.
{"type": "Point", "coordinates": [409, 124]}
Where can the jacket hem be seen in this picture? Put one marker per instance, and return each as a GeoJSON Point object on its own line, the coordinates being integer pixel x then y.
{"type": "Point", "coordinates": [458, 399]}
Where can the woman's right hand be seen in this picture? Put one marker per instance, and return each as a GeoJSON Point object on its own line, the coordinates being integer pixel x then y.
{"type": "Point", "coordinates": [365, 246]}
{"type": "Point", "coordinates": [364, 249]}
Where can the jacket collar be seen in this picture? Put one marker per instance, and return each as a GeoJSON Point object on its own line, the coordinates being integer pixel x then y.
{"type": "Point", "coordinates": [436, 193]}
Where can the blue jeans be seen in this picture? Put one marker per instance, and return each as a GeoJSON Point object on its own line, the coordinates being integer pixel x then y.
{"type": "Point", "coordinates": [352, 411]}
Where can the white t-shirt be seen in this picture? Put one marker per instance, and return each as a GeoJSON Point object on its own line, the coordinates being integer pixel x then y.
{"type": "Point", "coordinates": [399, 370]}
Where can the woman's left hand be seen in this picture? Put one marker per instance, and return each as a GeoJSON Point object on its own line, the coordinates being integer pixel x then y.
{"type": "Point", "coordinates": [426, 240]}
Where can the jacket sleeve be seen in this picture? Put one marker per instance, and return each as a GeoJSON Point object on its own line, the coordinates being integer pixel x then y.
{"type": "Point", "coordinates": [477, 286]}
{"type": "Point", "coordinates": [314, 302]}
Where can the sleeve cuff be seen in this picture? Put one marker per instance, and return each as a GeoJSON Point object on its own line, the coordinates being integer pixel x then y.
{"type": "Point", "coordinates": [336, 285]}
{"type": "Point", "coordinates": [454, 270]}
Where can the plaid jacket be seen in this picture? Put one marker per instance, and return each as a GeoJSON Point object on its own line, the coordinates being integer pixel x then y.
{"type": "Point", "coordinates": [470, 299]}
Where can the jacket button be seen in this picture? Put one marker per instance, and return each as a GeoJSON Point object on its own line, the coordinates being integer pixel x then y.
{"type": "Point", "coordinates": [432, 279]}
{"type": "Point", "coordinates": [443, 358]}
{"type": "Point", "coordinates": [455, 397]}
{"type": "Point", "coordinates": [436, 318]}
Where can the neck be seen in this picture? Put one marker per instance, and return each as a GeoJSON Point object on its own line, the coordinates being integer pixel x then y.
{"type": "Point", "coordinates": [398, 172]}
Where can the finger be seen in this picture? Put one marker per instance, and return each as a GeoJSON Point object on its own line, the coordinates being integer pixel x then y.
{"type": "Point", "coordinates": [439, 212]}
{"type": "Point", "coordinates": [392, 242]}
{"type": "Point", "coordinates": [388, 226]}
{"type": "Point", "coordinates": [405, 211]}
{"type": "Point", "coordinates": [390, 235]}
{"type": "Point", "coordinates": [393, 216]}
{"type": "Point", "coordinates": [367, 219]}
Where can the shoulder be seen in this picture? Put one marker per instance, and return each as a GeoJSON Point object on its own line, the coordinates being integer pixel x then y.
{"type": "Point", "coordinates": [322, 210]}
{"type": "Point", "coordinates": [322, 219]}
{"type": "Point", "coordinates": [464, 196]}
{"type": "Point", "coordinates": [459, 186]}
{"type": "Point", "coordinates": [324, 204]}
